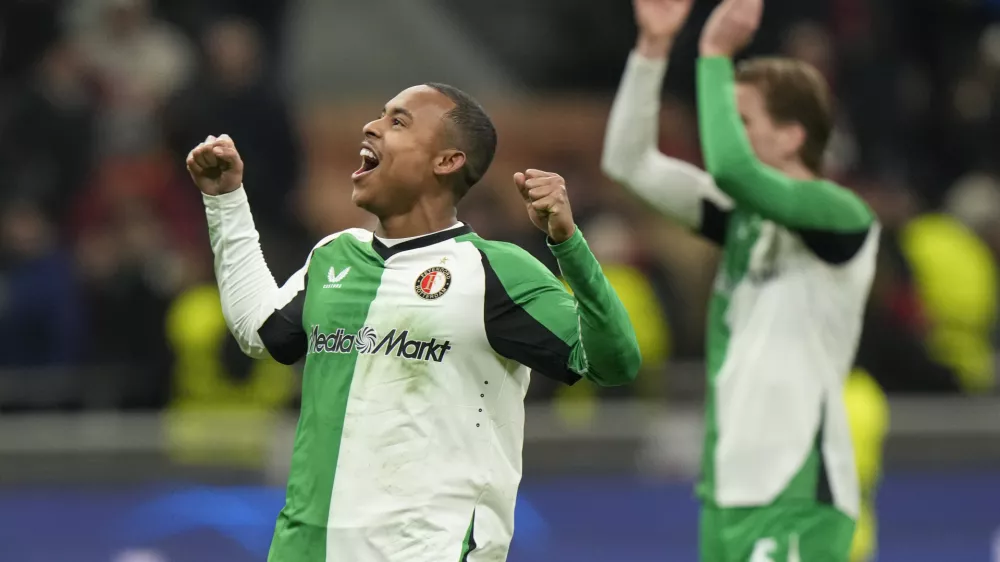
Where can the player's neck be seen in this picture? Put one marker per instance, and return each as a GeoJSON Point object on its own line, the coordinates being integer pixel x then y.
{"type": "Point", "coordinates": [417, 222]}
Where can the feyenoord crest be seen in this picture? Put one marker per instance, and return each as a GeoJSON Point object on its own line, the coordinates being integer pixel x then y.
{"type": "Point", "coordinates": [433, 283]}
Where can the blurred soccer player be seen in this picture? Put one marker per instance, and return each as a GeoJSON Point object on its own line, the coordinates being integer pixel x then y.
{"type": "Point", "coordinates": [778, 479]}
{"type": "Point", "coordinates": [417, 338]}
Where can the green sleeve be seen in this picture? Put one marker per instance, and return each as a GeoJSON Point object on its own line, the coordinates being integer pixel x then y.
{"type": "Point", "coordinates": [532, 319]}
{"type": "Point", "coordinates": [796, 204]}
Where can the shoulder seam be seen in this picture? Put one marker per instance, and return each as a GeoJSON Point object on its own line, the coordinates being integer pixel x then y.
{"type": "Point", "coordinates": [501, 244]}
{"type": "Point", "coordinates": [512, 251]}
{"type": "Point", "coordinates": [359, 233]}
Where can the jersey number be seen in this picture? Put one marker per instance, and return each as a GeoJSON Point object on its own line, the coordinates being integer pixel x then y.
{"type": "Point", "coordinates": [765, 549]}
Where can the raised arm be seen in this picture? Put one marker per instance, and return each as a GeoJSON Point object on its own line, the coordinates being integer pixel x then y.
{"type": "Point", "coordinates": [607, 348]}
{"type": "Point", "coordinates": [631, 157]}
{"type": "Point", "coordinates": [802, 204]}
{"type": "Point", "coordinates": [264, 318]}
{"type": "Point", "coordinates": [729, 157]}
{"type": "Point", "coordinates": [261, 316]}
{"type": "Point", "coordinates": [531, 318]}
{"type": "Point", "coordinates": [673, 187]}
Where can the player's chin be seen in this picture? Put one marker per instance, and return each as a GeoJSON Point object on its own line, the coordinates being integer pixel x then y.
{"type": "Point", "coordinates": [363, 194]}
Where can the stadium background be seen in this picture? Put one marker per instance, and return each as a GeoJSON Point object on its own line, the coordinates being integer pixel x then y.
{"type": "Point", "coordinates": [132, 430]}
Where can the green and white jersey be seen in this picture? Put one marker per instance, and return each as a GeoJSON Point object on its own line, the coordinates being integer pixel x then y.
{"type": "Point", "coordinates": [786, 311]}
{"type": "Point", "coordinates": [783, 329]}
{"type": "Point", "coordinates": [417, 356]}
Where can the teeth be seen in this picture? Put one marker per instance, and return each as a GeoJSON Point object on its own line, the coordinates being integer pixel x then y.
{"type": "Point", "coordinates": [366, 153]}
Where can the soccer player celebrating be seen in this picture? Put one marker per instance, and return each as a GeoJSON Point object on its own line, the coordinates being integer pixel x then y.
{"type": "Point", "coordinates": [778, 477]}
{"type": "Point", "coordinates": [417, 338]}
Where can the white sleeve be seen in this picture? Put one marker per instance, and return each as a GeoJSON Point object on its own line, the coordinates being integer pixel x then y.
{"type": "Point", "coordinates": [631, 157]}
{"type": "Point", "coordinates": [248, 291]}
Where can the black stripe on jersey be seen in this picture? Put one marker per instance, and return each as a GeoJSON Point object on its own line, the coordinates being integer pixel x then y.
{"type": "Point", "coordinates": [470, 539]}
{"type": "Point", "coordinates": [714, 222]}
{"type": "Point", "coordinates": [835, 248]}
{"type": "Point", "coordinates": [386, 252]}
{"type": "Point", "coordinates": [282, 333]}
{"type": "Point", "coordinates": [823, 493]}
{"type": "Point", "coordinates": [516, 335]}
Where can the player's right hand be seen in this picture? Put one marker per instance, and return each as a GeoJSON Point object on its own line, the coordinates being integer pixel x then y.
{"type": "Point", "coordinates": [659, 21]}
{"type": "Point", "coordinates": [216, 166]}
{"type": "Point", "coordinates": [544, 195]}
{"type": "Point", "coordinates": [730, 28]}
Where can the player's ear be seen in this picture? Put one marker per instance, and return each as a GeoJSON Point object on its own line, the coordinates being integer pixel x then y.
{"type": "Point", "coordinates": [448, 162]}
{"type": "Point", "coordinates": [792, 137]}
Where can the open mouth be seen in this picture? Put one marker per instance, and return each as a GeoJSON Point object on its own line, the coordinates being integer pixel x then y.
{"type": "Point", "coordinates": [369, 161]}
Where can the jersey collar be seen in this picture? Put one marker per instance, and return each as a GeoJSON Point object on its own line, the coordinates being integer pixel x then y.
{"type": "Point", "coordinates": [386, 252]}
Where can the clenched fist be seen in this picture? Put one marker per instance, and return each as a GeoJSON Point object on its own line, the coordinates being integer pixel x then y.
{"type": "Point", "coordinates": [216, 166]}
{"type": "Point", "coordinates": [545, 196]}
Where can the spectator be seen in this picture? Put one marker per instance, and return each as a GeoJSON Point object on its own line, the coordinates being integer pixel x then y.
{"type": "Point", "coordinates": [129, 279]}
{"type": "Point", "coordinates": [40, 313]}
{"type": "Point", "coordinates": [154, 180]}
{"type": "Point", "coordinates": [956, 278]}
{"type": "Point", "coordinates": [931, 313]}
{"type": "Point", "coordinates": [267, 15]}
{"type": "Point", "coordinates": [211, 372]}
{"type": "Point", "coordinates": [140, 62]}
{"type": "Point", "coordinates": [45, 147]}
{"type": "Point", "coordinates": [140, 237]}
{"type": "Point", "coordinates": [234, 86]}
{"type": "Point", "coordinates": [235, 96]}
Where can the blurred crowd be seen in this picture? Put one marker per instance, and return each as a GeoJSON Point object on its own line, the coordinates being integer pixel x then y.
{"type": "Point", "coordinates": [107, 296]}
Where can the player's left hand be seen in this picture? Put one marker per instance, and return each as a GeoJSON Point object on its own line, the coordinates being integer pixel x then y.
{"type": "Point", "coordinates": [661, 18]}
{"type": "Point", "coordinates": [730, 28]}
{"type": "Point", "coordinates": [545, 196]}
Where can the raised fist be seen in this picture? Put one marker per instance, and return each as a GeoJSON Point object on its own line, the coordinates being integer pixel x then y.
{"type": "Point", "coordinates": [544, 194]}
{"type": "Point", "coordinates": [216, 166]}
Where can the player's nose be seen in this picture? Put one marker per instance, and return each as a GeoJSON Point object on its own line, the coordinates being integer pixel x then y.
{"type": "Point", "coordinates": [371, 130]}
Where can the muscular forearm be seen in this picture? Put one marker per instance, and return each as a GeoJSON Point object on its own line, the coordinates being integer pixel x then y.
{"type": "Point", "coordinates": [607, 340]}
